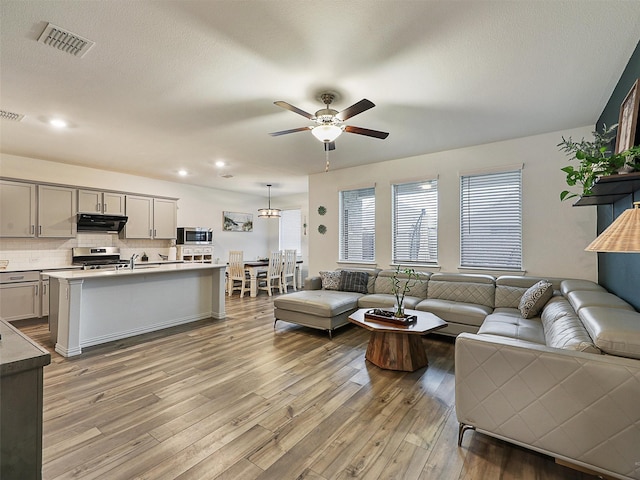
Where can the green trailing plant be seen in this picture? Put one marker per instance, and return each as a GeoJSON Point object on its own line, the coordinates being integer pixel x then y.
{"type": "Point", "coordinates": [401, 286]}
{"type": "Point", "coordinates": [595, 159]}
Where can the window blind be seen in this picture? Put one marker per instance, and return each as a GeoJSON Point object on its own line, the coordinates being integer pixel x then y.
{"type": "Point", "coordinates": [357, 225]}
{"type": "Point", "coordinates": [491, 220]}
{"type": "Point", "coordinates": [415, 222]}
{"type": "Point", "coordinates": [290, 230]}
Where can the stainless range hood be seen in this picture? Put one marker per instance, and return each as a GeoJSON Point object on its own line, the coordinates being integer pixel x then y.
{"type": "Point", "coordinates": [89, 222]}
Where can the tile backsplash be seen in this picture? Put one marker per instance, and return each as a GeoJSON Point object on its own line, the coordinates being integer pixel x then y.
{"type": "Point", "coordinates": [43, 253]}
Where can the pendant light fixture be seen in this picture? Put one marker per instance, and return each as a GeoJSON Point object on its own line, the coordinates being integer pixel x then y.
{"type": "Point", "coordinates": [269, 212]}
{"type": "Point", "coordinates": [622, 236]}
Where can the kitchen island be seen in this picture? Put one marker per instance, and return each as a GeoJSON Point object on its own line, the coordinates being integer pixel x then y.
{"type": "Point", "coordinates": [91, 307]}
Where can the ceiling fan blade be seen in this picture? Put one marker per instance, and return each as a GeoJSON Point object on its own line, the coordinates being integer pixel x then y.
{"type": "Point", "coordinates": [288, 106]}
{"type": "Point", "coordinates": [355, 109]}
{"type": "Point", "coordinates": [293, 130]}
{"type": "Point", "coordinates": [367, 132]}
{"type": "Point", "coordinates": [329, 146]}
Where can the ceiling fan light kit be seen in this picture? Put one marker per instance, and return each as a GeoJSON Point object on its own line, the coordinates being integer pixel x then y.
{"type": "Point", "coordinates": [329, 122]}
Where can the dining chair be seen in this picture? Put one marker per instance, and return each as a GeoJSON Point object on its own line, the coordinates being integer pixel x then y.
{"type": "Point", "coordinates": [289, 269]}
{"type": "Point", "coordinates": [237, 276]}
{"type": "Point", "coordinates": [273, 277]}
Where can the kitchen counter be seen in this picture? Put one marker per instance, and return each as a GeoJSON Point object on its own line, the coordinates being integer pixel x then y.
{"type": "Point", "coordinates": [91, 307]}
{"type": "Point", "coordinates": [21, 364]}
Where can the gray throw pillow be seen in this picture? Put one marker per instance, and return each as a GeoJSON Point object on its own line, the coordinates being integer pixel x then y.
{"type": "Point", "coordinates": [535, 298]}
{"type": "Point", "coordinates": [331, 280]}
{"type": "Point", "coordinates": [354, 281]}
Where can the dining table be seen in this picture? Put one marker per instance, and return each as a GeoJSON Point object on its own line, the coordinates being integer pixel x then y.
{"type": "Point", "coordinates": [255, 267]}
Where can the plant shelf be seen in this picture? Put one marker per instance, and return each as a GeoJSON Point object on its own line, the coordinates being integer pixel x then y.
{"type": "Point", "coordinates": [611, 188]}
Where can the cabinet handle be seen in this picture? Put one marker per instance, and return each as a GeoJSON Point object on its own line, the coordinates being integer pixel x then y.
{"type": "Point", "coordinates": [17, 278]}
{"type": "Point", "coordinates": [97, 207]}
{"type": "Point", "coordinates": [44, 289]}
{"type": "Point", "coordinates": [40, 230]}
{"type": "Point", "coordinates": [36, 290]}
{"type": "Point", "coordinates": [33, 229]}
{"type": "Point", "coordinates": [150, 233]}
{"type": "Point", "coordinates": [104, 205]}
{"type": "Point", "coordinates": [154, 232]}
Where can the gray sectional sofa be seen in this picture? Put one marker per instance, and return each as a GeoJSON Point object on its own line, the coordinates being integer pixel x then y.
{"type": "Point", "coordinates": [565, 382]}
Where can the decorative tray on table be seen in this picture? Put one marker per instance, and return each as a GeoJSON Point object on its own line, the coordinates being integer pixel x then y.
{"type": "Point", "coordinates": [386, 316]}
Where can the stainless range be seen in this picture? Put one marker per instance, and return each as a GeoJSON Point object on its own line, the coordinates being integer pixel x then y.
{"type": "Point", "coordinates": [92, 258]}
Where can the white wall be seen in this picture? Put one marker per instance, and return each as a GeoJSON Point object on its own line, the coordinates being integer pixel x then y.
{"type": "Point", "coordinates": [554, 233]}
{"type": "Point", "coordinates": [197, 206]}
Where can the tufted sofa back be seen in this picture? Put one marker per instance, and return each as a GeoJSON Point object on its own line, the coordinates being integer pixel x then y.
{"type": "Point", "coordinates": [418, 288]}
{"type": "Point", "coordinates": [463, 287]}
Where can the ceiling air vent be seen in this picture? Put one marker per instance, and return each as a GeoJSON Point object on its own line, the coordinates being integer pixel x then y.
{"type": "Point", "coordinates": [10, 116]}
{"type": "Point", "coordinates": [65, 41]}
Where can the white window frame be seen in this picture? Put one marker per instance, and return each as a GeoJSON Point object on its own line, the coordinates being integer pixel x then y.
{"type": "Point", "coordinates": [290, 230]}
{"type": "Point", "coordinates": [491, 220]}
{"type": "Point", "coordinates": [415, 222]}
{"type": "Point", "coordinates": [357, 234]}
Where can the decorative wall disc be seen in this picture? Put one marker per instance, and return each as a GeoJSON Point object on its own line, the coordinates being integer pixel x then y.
{"type": "Point", "coordinates": [322, 210]}
{"type": "Point", "coordinates": [322, 229]}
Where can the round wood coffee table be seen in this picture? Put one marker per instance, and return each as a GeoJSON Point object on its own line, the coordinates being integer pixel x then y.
{"type": "Point", "coordinates": [398, 347]}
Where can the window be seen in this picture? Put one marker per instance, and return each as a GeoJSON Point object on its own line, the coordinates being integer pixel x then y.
{"type": "Point", "coordinates": [415, 222]}
{"type": "Point", "coordinates": [290, 228]}
{"type": "Point", "coordinates": [491, 220]}
{"type": "Point", "coordinates": [357, 225]}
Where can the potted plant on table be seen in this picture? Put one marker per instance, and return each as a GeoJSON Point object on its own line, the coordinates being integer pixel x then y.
{"type": "Point", "coordinates": [401, 282]}
{"type": "Point", "coordinates": [596, 159]}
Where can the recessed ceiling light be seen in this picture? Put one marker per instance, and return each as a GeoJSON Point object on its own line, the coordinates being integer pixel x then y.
{"type": "Point", "coordinates": [58, 123]}
{"type": "Point", "coordinates": [220, 163]}
{"type": "Point", "coordinates": [183, 173]}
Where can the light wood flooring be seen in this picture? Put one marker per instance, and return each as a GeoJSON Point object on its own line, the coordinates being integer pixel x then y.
{"type": "Point", "coordinates": [234, 399]}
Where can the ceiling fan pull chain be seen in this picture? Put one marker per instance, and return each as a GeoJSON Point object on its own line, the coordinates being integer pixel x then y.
{"type": "Point", "coordinates": [326, 168]}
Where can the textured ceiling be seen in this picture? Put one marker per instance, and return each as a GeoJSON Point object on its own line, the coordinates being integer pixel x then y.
{"type": "Point", "coordinates": [182, 84]}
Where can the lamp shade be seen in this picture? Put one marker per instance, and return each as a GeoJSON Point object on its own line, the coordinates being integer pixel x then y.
{"type": "Point", "coordinates": [326, 133]}
{"type": "Point", "coordinates": [622, 236]}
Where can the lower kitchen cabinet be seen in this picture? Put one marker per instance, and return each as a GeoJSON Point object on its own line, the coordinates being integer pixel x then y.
{"type": "Point", "coordinates": [19, 295]}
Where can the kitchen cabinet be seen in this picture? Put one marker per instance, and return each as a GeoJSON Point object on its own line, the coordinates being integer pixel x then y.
{"type": "Point", "coordinates": [188, 253]}
{"type": "Point", "coordinates": [19, 295]}
{"type": "Point", "coordinates": [150, 218]}
{"type": "Point", "coordinates": [44, 296]}
{"type": "Point", "coordinates": [56, 211]}
{"type": "Point", "coordinates": [94, 201]}
{"type": "Point", "coordinates": [165, 223]}
{"type": "Point", "coordinates": [17, 209]}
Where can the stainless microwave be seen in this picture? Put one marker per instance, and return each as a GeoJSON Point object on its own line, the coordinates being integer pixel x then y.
{"type": "Point", "coordinates": [194, 236]}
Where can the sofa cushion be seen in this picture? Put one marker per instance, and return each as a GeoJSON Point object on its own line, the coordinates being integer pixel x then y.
{"type": "Point", "coordinates": [331, 280]}
{"type": "Point", "coordinates": [418, 288]}
{"type": "Point", "coordinates": [456, 312]}
{"type": "Point", "coordinates": [615, 331]}
{"type": "Point", "coordinates": [596, 298]}
{"type": "Point", "coordinates": [567, 332]}
{"type": "Point", "coordinates": [323, 303]}
{"type": "Point", "coordinates": [462, 287]}
{"type": "Point", "coordinates": [351, 281]}
{"type": "Point", "coordinates": [510, 288]}
{"type": "Point", "coordinates": [385, 300]}
{"type": "Point", "coordinates": [512, 325]}
{"type": "Point", "coordinates": [575, 284]}
{"type": "Point", "coordinates": [535, 298]}
{"type": "Point", "coordinates": [373, 274]}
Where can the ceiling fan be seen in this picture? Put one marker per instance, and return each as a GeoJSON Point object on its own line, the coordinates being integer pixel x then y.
{"type": "Point", "coordinates": [329, 122]}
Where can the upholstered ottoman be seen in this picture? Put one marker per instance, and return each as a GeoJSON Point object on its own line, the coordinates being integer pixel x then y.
{"type": "Point", "coordinates": [321, 309]}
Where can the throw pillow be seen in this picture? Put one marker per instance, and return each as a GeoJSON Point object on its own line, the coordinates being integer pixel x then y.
{"type": "Point", "coordinates": [331, 280]}
{"type": "Point", "coordinates": [354, 281]}
{"type": "Point", "coordinates": [535, 298]}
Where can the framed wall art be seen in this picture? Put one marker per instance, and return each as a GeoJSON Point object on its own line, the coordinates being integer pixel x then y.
{"type": "Point", "coordinates": [237, 222]}
{"type": "Point", "coordinates": [628, 120]}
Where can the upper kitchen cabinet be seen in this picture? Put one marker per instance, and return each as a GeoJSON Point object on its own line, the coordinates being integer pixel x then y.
{"type": "Point", "coordinates": [150, 218]}
{"type": "Point", "coordinates": [165, 223]}
{"type": "Point", "coordinates": [93, 201]}
{"type": "Point", "coordinates": [17, 209]}
{"type": "Point", "coordinates": [56, 211]}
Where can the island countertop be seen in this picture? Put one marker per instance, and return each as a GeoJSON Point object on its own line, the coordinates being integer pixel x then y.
{"type": "Point", "coordinates": [138, 270]}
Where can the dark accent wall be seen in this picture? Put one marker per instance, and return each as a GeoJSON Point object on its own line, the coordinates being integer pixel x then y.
{"type": "Point", "coordinates": [620, 272]}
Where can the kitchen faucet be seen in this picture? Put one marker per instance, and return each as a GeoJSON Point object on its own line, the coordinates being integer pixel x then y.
{"type": "Point", "coordinates": [132, 260]}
